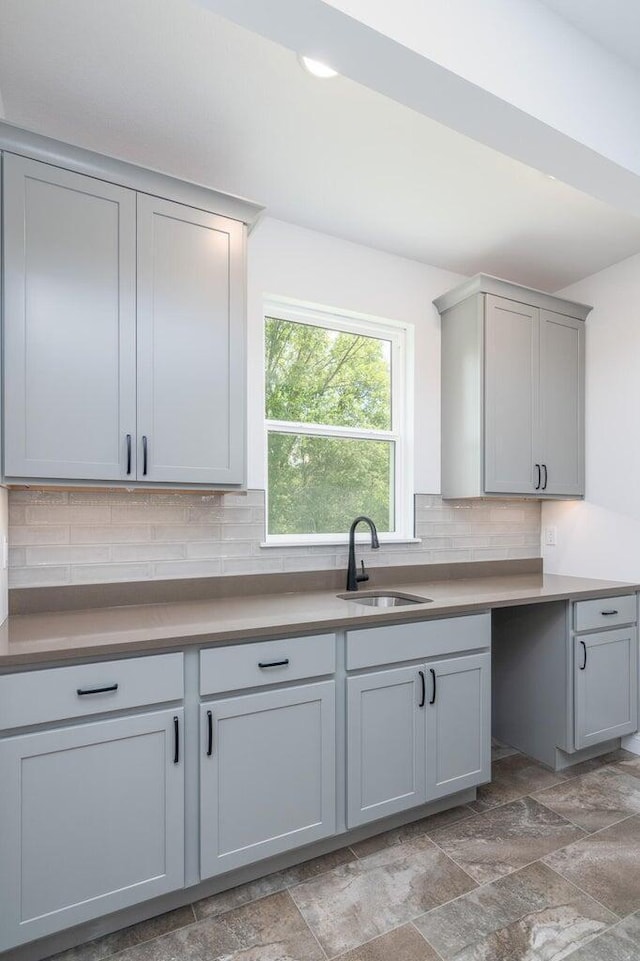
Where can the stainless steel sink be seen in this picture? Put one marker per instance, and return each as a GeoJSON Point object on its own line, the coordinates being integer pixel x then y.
{"type": "Point", "coordinates": [384, 598]}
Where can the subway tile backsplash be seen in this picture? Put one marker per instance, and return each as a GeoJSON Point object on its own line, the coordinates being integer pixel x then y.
{"type": "Point", "coordinates": [85, 537]}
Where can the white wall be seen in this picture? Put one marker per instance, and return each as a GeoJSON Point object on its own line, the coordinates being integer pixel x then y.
{"type": "Point", "coordinates": [600, 537]}
{"type": "Point", "coordinates": [315, 268]}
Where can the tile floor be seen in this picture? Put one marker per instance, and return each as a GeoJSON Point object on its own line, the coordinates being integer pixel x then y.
{"type": "Point", "coordinates": [540, 867]}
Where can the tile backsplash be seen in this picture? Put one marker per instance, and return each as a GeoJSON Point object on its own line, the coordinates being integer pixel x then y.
{"type": "Point", "coordinates": [88, 537]}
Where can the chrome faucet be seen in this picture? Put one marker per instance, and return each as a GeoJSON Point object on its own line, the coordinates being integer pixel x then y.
{"type": "Point", "coordinates": [354, 579]}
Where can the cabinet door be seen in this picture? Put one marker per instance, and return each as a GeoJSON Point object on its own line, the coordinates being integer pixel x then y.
{"type": "Point", "coordinates": [458, 724]}
{"type": "Point", "coordinates": [69, 323]}
{"type": "Point", "coordinates": [190, 345]}
{"type": "Point", "coordinates": [267, 776]}
{"type": "Point", "coordinates": [511, 396]}
{"type": "Point", "coordinates": [606, 685]}
{"type": "Point", "coordinates": [386, 744]}
{"type": "Point", "coordinates": [92, 821]}
{"type": "Point", "coordinates": [562, 402]}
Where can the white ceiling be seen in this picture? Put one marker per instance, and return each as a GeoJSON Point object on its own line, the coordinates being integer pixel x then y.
{"type": "Point", "coordinates": [167, 84]}
{"type": "Point", "coordinates": [615, 25]}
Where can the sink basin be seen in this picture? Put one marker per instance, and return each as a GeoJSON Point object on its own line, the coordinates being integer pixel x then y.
{"type": "Point", "coordinates": [384, 598]}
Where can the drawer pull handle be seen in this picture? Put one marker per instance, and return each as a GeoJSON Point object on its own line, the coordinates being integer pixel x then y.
{"type": "Point", "coordinates": [209, 733]}
{"type": "Point", "coordinates": [584, 662]}
{"type": "Point", "coordinates": [176, 740]}
{"type": "Point", "coordinates": [97, 690]}
{"type": "Point", "coordinates": [608, 613]}
{"type": "Point", "coordinates": [423, 698]}
{"type": "Point", "coordinates": [433, 677]}
{"type": "Point", "coordinates": [283, 663]}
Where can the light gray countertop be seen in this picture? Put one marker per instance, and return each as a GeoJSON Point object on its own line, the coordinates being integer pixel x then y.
{"type": "Point", "coordinates": [32, 639]}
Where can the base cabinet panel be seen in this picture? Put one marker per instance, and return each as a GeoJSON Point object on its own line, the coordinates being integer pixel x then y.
{"type": "Point", "coordinates": [458, 724]}
{"type": "Point", "coordinates": [92, 821]}
{"type": "Point", "coordinates": [385, 744]}
{"type": "Point", "coordinates": [267, 777]}
{"type": "Point", "coordinates": [606, 685]}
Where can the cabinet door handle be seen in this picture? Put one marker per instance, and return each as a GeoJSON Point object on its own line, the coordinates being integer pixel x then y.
{"type": "Point", "coordinates": [546, 477]}
{"type": "Point", "coordinates": [209, 733]}
{"type": "Point", "coordinates": [128, 453]}
{"type": "Point", "coordinates": [433, 678]}
{"type": "Point", "coordinates": [283, 663]}
{"type": "Point", "coordinates": [608, 613]}
{"type": "Point", "coordinates": [539, 480]}
{"type": "Point", "coordinates": [82, 691]}
{"type": "Point", "coordinates": [423, 697]}
{"type": "Point", "coordinates": [584, 661]}
{"type": "Point", "coordinates": [144, 455]}
{"type": "Point", "coordinates": [176, 740]}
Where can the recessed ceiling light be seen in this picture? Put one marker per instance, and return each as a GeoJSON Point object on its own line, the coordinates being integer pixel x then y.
{"type": "Point", "coordinates": [317, 69]}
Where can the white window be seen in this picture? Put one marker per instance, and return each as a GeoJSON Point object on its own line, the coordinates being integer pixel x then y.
{"type": "Point", "coordinates": [338, 414]}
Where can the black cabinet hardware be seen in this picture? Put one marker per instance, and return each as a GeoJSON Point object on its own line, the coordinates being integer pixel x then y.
{"type": "Point", "coordinates": [539, 480]}
{"type": "Point", "coordinates": [546, 477]}
{"type": "Point", "coordinates": [423, 698]}
{"type": "Point", "coordinates": [282, 663]}
{"type": "Point", "coordinates": [433, 678]}
{"type": "Point", "coordinates": [97, 690]}
{"type": "Point", "coordinates": [608, 613]}
{"type": "Point", "coordinates": [128, 453]}
{"type": "Point", "coordinates": [144, 454]}
{"type": "Point", "coordinates": [176, 740]}
{"type": "Point", "coordinates": [209, 733]}
{"type": "Point", "coordinates": [584, 662]}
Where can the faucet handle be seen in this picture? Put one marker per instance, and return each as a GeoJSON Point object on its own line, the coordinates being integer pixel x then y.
{"type": "Point", "coordinates": [364, 576]}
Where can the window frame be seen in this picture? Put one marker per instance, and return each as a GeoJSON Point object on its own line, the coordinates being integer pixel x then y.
{"type": "Point", "coordinates": [401, 337]}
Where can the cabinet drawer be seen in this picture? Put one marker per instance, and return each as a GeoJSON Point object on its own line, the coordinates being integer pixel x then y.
{"type": "Point", "coordinates": [39, 697]}
{"type": "Point", "coordinates": [266, 662]}
{"type": "Point", "coordinates": [418, 640]}
{"type": "Point", "coordinates": [604, 612]}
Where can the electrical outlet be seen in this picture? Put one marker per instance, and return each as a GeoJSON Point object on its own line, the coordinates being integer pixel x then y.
{"type": "Point", "coordinates": [550, 536]}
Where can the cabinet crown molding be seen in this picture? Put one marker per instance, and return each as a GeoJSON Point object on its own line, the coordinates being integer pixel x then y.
{"type": "Point", "coordinates": [487, 284]}
{"type": "Point", "coordinates": [126, 174]}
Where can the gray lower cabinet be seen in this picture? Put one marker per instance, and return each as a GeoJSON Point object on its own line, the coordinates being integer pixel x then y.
{"type": "Point", "coordinates": [605, 685]}
{"type": "Point", "coordinates": [458, 724]}
{"type": "Point", "coordinates": [385, 744]}
{"type": "Point", "coordinates": [92, 821]}
{"type": "Point", "coordinates": [267, 774]}
{"type": "Point", "coordinates": [415, 734]}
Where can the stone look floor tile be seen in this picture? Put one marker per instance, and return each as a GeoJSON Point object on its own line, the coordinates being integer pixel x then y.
{"type": "Point", "coordinates": [500, 750]}
{"type": "Point", "coordinates": [629, 765]}
{"type": "Point", "coordinates": [356, 902]}
{"type": "Point", "coordinates": [605, 865]}
{"type": "Point", "coordinates": [267, 930]}
{"type": "Point", "coordinates": [532, 915]}
{"type": "Point", "coordinates": [506, 838]}
{"type": "Point", "coordinates": [620, 943]}
{"type": "Point", "coordinates": [403, 944]}
{"type": "Point", "coordinates": [278, 881]}
{"type": "Point", "coordinates": [111, 944]}
{"type": "Point", "coordinates": [513, 777]}
{"type": "Point", "coordinates": [595, 800]}
{"type": "Point", "coordinates": [414, 830]}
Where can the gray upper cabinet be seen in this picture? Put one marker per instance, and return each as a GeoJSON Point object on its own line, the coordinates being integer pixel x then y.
{"type": "Point", "coordinates": [190, 345]}
{"type": "Point", "coordinates": [512, 391]}
{"type": "Point", "coordinates": [123, 322]}
{"type": "Point", "coordinates": [70, 320]}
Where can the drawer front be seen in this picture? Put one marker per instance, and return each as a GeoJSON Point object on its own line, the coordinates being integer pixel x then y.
{"type": "Point", "coordinates": [39, 697]}
{"type": "Point", "coordinates": [604, 612]}
{"type": "Point", "coordinates": [266, 662]}
{"type": "Point", "coordinates": [418, 640]}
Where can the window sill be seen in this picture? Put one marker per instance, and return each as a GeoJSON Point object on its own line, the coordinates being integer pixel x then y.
{"type": "Point", "coordinates": [331, 541]}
